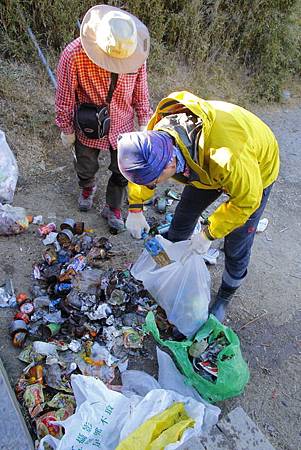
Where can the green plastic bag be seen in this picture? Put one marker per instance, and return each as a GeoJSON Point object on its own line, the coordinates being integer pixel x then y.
{"type": "Point", "coordinates": [233, 372]}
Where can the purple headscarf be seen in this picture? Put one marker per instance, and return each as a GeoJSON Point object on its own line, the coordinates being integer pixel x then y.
{"type": "Point", "coordinates": [143, 156]}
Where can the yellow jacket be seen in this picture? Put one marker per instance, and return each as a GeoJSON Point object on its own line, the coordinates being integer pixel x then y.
{"type": "Point", "coordinates": [236, 152]}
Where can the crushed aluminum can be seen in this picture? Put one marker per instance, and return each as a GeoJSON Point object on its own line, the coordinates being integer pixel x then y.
{"type": "Point", "coordinates": [7, 294]}
{"type": "Point", "coordinates": [117, 297]}
{"type": "Point", "coordinates": [53, 305]}
{"type": "Point", "coordinates": [172, 194]}
{"type": "Point", "coordinates": [43, 230]}
{"type": "Point", "coordinates": [160, 205]}
{"type": "Point", "coordinates": [19, 339]}
{"type": "Point", "coordinates": [27, 308]}
{"type": "Point", "coordinates": [62, 288]}
{"type": "Point", "coordinates": [75, 346]}
{"type": "Point", "coordinates": [22, 316]}
{"type": "Point", "coordinates": [66, 276]}
{"type": "Point", "coordinates": [63, 257]}
{"type": "Point", "coordinates": [132, 338]}
{"type": "Point", "coordinates": [50, 255]}
{"type": "Point", "coordinates": [78, 264]}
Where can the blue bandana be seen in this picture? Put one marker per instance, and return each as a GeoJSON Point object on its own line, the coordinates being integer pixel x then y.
{"type": "Point", "coordinates": [142, 156]}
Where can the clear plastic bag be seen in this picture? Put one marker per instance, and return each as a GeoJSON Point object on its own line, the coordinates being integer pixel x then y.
{"type": "Point", "coordinates": [182, 289]}
{"type": "Point", "coordinates": [13, 220]}
{"type": "Point", "coordinates": [8, 171]}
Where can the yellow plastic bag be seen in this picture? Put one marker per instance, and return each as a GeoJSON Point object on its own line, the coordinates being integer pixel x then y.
{"type": "Point", "coordinates": [160, 430]}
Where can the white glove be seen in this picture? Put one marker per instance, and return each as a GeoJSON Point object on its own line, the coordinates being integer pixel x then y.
{"type": "Point", "coordinates": [136, 224]}
{"type": "Point", "coordinates": [200, 243]}
{"type": "Point", "coordinates": [68, 139]}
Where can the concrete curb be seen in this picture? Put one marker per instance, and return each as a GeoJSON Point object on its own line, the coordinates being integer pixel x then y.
{"type": "Point", "coordinates": [13, 430]}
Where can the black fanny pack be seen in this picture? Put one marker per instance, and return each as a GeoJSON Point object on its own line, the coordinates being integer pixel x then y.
{"type": "Point", "coordinates": [93, 120]}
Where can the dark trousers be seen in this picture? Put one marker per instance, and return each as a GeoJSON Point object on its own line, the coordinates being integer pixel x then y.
{"type": "Point", "coordinates": [86, 166]}
{"type": "Point", "coordinates": [238, 243]}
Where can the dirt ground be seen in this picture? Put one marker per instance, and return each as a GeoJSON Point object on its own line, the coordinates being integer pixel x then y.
{"type": "Point", "coordinates": [265, 313]}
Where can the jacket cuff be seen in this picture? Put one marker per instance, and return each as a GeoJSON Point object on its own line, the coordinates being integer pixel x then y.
{"type": "Point", "coordinates": [208, 234]}
{"type": "Point", "coordinates": [135, 208]}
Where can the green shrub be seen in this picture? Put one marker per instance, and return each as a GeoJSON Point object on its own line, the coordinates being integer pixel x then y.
{"type": "Point", "coordinates": [257, 38]}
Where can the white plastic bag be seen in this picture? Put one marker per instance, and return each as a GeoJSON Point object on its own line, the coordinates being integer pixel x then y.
{"type": "Point", "coordinates": [8, 171]}
{"type": "Point", "coordinates": [13, 220]}
{"type": "Point", "coordinates": [181, 289]}
{"type": "Point", "coordinates": [169, 378]}
{"type": "Point", "coordinates": [98, 420]}
{"type": "Point", "coordinates": [103, 418]}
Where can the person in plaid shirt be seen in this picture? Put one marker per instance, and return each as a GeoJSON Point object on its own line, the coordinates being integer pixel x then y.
{"type": "Point", "coordinates": [111, 42]}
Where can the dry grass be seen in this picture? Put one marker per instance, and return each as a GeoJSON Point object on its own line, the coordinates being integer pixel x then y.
{"type": "Point", "coordinates": [256, 43]}
{"type": "Point", "coordinates": [218, 82]}
{"type": "Point", "coordinates": [27, 116]}
{"type": "Point", "coordinates": [27, 104]}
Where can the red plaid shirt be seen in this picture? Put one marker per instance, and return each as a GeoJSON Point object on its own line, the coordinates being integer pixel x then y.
{"type": "Point", "coordinates": [82, 81]}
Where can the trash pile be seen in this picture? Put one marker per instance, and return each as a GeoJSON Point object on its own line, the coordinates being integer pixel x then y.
{"type": "Point", "coordinates": [143, 414]}
{"type": "Point", "coordinates": [82, 322]}
{"type": "Point", "coordinates": [82, 318]}
{"type": "Point", "coordinates": [204, 356]}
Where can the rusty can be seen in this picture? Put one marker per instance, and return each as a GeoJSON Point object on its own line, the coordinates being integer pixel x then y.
{"type": "Point", "coordinates": [64, 237]}
{"type": "Point", "coordinates": [50, 255]}
{"type": "Point", "coordinates": [22, 297]}
{"type": "Point", "coordinates": [68, 224]}
{"type": "Point", "coordinates": [19, 339]}
{"type": "Point", "coordinates": [36, 374]}
{"type": "Point", "coordinates": [27, 308]}
{"type": "Point", "coordinates": [22, 316]}
{"type": "Point", "coordinates": [79, 227]}
{"type": "Point", "coordinates": [66, 276]}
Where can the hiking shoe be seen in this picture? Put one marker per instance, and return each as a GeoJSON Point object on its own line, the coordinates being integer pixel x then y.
{"type": "Point", "coordinates": [114, 218]}
{"type": "Point", "coordinates": [221, 303]}
{"type": "Point", "coordinates": [85, 199]}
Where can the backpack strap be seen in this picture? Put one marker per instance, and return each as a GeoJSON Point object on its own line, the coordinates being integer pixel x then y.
{"type": "Point", "coordinates": [114, 79]}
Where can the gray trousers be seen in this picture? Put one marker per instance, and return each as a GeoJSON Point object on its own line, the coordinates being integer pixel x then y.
{"type": "Point", "coordinates": [86, 166]}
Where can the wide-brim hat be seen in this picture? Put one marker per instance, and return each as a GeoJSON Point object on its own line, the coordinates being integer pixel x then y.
{"type": "Point", "coordinates": [114, 39]}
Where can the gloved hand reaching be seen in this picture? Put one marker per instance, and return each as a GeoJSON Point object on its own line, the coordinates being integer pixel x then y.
{"type": "Point", "coordinates": [136, 224]}
{"type": "Point", "coordinates": [68, 139]}
{"type": "Point", "coordinates": [200, 243]}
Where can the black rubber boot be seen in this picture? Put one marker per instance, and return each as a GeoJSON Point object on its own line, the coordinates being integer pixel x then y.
{"type": "Point", "coordinates": [221, 303]}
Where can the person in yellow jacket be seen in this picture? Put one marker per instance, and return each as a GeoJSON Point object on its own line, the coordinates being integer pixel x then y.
{"type": "Point", "coordinates": [212, 147]}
